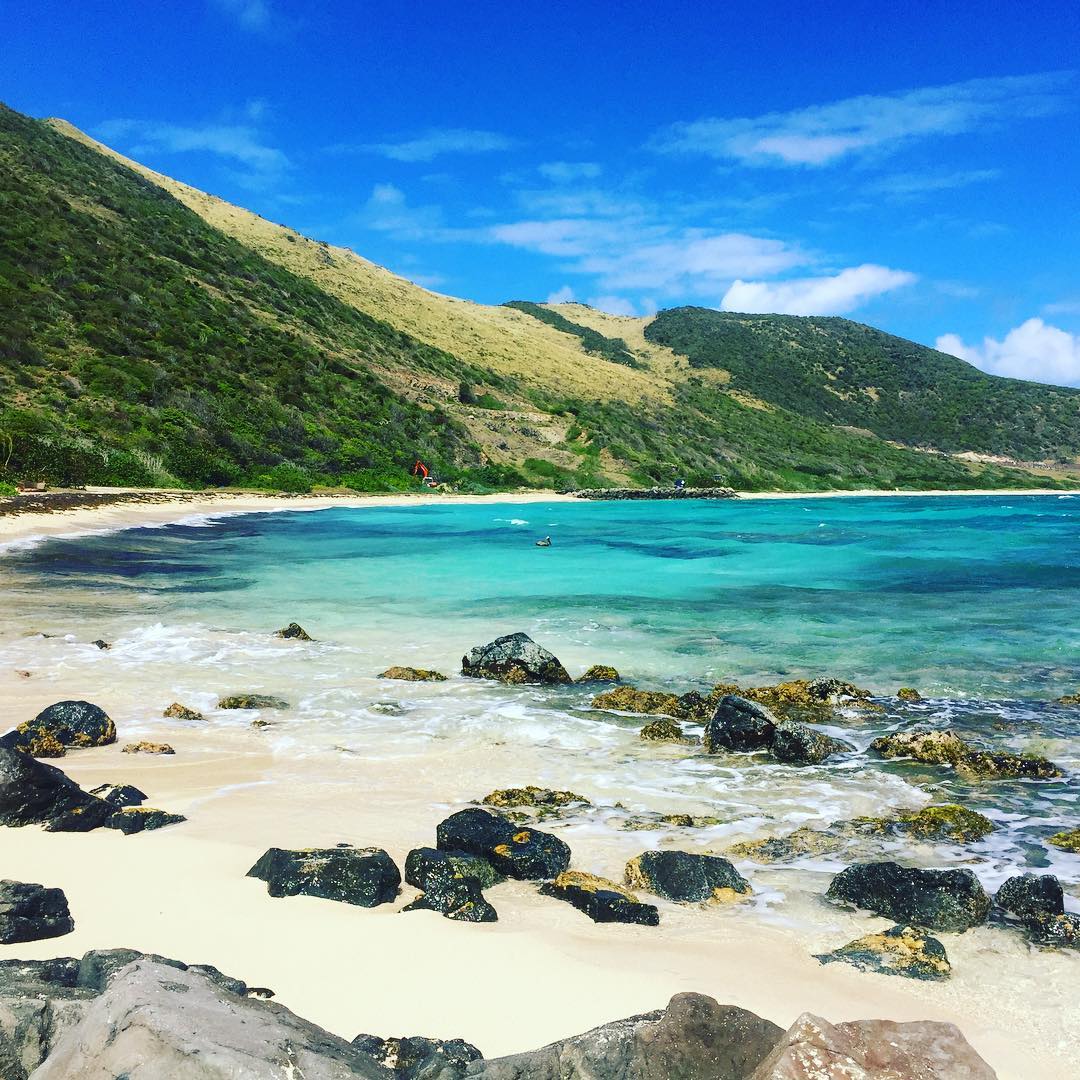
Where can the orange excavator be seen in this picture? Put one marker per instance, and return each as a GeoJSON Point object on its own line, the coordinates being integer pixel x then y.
{"type": "Point", "coordinates": [421, 470]}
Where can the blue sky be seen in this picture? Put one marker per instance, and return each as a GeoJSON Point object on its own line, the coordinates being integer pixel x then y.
{"type": "Point", "coordinates": [913, 166]}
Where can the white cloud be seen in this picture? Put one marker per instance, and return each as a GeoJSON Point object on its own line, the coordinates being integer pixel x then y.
{"type": "Point", "coordinates": [835, 295]}
{"type": "Point", "coordinates": [613, 305]}
{"type": "Point", "coordinates": [435, 142]}
{"type": "Point", "coordinates": [1032, 350]}
{"type": "Point", "coordinates": [821, 134]}
{"type": "Point", "coordinates": [911, 185]}
{"type": "Point", "coordinates": [250, 14]}
{"type": "Point", "coordinates": [239, 143]}
{"type": "Point", "coordinates": [565, 295]}
{"type": "Point", "coordinates": [562, 172]}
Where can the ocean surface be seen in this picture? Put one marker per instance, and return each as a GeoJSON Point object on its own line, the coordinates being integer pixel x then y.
{"type": "Point", "coordinates": [973, 600]}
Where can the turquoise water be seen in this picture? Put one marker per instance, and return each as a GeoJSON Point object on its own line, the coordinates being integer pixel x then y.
{"type": "Point", "coordinates": [972, 600]}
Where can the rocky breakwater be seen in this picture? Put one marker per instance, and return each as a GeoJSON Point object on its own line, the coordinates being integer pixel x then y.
{"type": "Point", "coordinates": [656, 493]}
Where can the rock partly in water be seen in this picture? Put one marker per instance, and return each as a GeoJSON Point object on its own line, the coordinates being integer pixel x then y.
{"type": "Point", "coordinates": [421, 863]}
{"type": "Point", "coordinates": [253, 701]}
{"type": "Point", "coordinates": [932, 747]}
{"type": "Point", "coordinates": [518, 852]}
{"type": "Point", "coordinates": [796, 744]}
{"type": "Point", "coordinates": [814, 1049]}
{"type": "Point", "coordinates": [908, 693]}
{"type": "Point", "coordinates": [602, 900]}
{"type": "Point", "coordinates": [176, 711]}
{"type": "Point", "coordinates": [774, 849]}
{"type": "Point", "coordinates": [293, 632]}
{"type": "Point", "coordinates": [159, 1022]}
{"type": "Point", "coordinates": [31, 912]}
{"type": "Point", "coordinates": [937, 899]}
{"type": "Point", "coordinates": [1061, 931]}
{"type": "Point", "coordinates": [365, 877]}
{"type": "Point", "coordinates": [537, 798]}
{"type": "Point", "coordinates": [949, 822]}
{"type": "Point", "coordinates": [694, 1038]}
{"type": "Point", "coordinates": [515, 659]}
{"type": "Point", "coordinates": [798, 697]}
{"type": "Point", "coordinates": [665, 730]}
{"type": "Point", "coordinates": [653, 822]}
{"type": "Point", "coordinates": [33, 793]}
{"type": "Point", "coordinates": [412, 674]}
{"type": "Point", "coordinates": [1069, 840]}
{"type": "Point", "coordinates": [739, 725]}
{"type": "Point", "coordinates": [1031, 896]}
{"type": "Point", "coordinates": [148, 748]}
{"type": "Point", "coordinates": [1069, 699]}
{"type": "Point", "coordinates": [686, 878]}
{"type": "Point", "coordinates": [65, 725]}
{"type": "Point", "coordinates": [628, 699]}
{"type": "Point", "coordinates": [600, 673]}
{"type": "Point", "coordinates": [136, 819]}
{"type": "Point", "coordinates": [120, 794]}
{"type": "Point", "coordinates": [900, 950]}
{"type": "Point", "coordinates": [417, 1058]}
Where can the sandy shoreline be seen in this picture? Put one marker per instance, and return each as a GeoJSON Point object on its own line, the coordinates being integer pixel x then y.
{"type": "Point", "coordinates": [18, 527]}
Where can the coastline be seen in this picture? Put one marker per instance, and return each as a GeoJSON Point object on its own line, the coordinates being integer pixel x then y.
{"type": "Point", "coordinates": [123, 508]}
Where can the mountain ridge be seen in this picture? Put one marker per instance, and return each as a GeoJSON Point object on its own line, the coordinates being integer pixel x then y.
{"type": "Point", "coordinates": [494, 396]}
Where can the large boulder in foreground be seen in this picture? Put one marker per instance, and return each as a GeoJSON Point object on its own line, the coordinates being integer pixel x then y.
{"type": "Point", "coordinates": [937, 899]}
{"type": "Point", "coordinates": [365, 877]}
{"type": "Point", "coordinates": [514, 658]}
{"type": "Point", "coordinates": [694, 1038]}
{"type": "Point", "coordinates": [686, 877]}
{"type": "Point", "coordinates": [33, 793]}
{"type": "Point", "coordinates": [814, 1049]}
{"type": "Point", "coordinates": [517, 851]}
{"type": "Point", "coordinates": [155, 1022]}
{"type": "Point", "coordinates": [900, 950]}
{"type": "Point", "coordinates": [31, 912]}
{"type": "Point", "coordinates": [60, 726]}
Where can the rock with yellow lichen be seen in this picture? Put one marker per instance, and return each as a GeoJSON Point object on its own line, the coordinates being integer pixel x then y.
{"type": "Point", "coordinates": [64, 725]}
{"type": "Point", "coordinates": [1068, 699]}
{"type": "Point", "coordinates": [686, 877]}
{"type": "Point", "coordinates": [901, 950]}
{"type": "Point", "coordinates": [948, 822]}
{"type": "Point", "coordinates": [602, 900]}
{"type": "Point", "coordinates": [652, 821]}
{"type": "Point", "coordinates": [412, 674]}
{"type": "Point", "coordinates": [148, 748]}
{"type": "Point", "coordinates": [1069, 840]}
{"type": "Point", "coordinates": [535, 797]}
{"type": "Point", "coordinates": [933, 747]}
{"type": "Point", "coordinates": [908, 693]}
{"type": "Point", "coordinates": [517, 851]}
{"type": "Point", "coordinates": [803, 841]}
{"type": "Point", "coordinates": [600, 673]}
{"type": "Point", "coordinates": [176, 711]}
{"type": "Point", "coordinates": [666, 730]}
{"type": "Point", "coordinates": [629, 699]}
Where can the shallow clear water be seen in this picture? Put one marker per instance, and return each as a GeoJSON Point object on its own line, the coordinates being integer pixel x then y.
{"type": "Point", "coordinates": [972, 600]}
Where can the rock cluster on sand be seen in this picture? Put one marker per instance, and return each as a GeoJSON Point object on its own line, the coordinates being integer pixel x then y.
{"type": "Point", "coordinates": [686, 878]}
{"type": "Point", "coordinates": [517, 851]}
{"type": "Point", "coordinates": [65, 725]}
{"type": "Point", "coordinates": [365, 877]}
{"type": "Point", "coordinates": [120, 795]}
{"type": "Point", "coordinates": [412, 674]}
{"type": "Point", "coordinates": [1038, 902]}
{"type": "Point", "coordinates": [31, 912]}
{"type": "Point", "coordinates": [934, 747]}
{"type": "Point", "coordinates": [294, 631]}
{"type": "Point", "coordinates": [937, 899]}
{"type": "Point", "coordinates": [602, 900]}
{"type": "Point", "coordinates": [514, 659]}
{"type": "Point", "coordinates": [148, 748]}
{"type": "Point", "coordinates": [900, 950]}
{"type": "Point", "coordinates": [176, 711]}
{"type": "Point", "coordinates": [120, 1013]}
{"type": "Point", "coordinates": [743, 725]}
{"type": "Point", "coordinates": [136, 819]}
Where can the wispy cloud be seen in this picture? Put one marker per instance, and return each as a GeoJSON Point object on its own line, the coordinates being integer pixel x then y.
{"type": "Point", "coordinates": [250, 14]}
{"type": "Point", "coordinates": [565, 295]}
{"type": "Point", "coordinates": [432, 144]}
{"type": "Point", "coordinates": [564, 172]}
{"type": "Point", "coordinates": [912, 185]}
{"type": "Point", "coordinates": [821, 134]}
{"type": "Point", "coordinates": [1032, 350]}
{"type": "Point", "coordinates": [836, 294]}
{"type": "Point", "coordinates": [238, 143]}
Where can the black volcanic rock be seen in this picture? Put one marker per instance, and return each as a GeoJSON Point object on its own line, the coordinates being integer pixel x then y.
{"type": "Point", "coordinates": [514, 658]}
{"type": "Point", "coordinates": [365, 877]}
{"type": "Point", "coordinates": [517, 851]}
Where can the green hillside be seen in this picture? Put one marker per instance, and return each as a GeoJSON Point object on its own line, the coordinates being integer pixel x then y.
{"type": "Point", "coordinates": [840, 372]}
{"type": "Point", "coordinates": [142, 344]}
